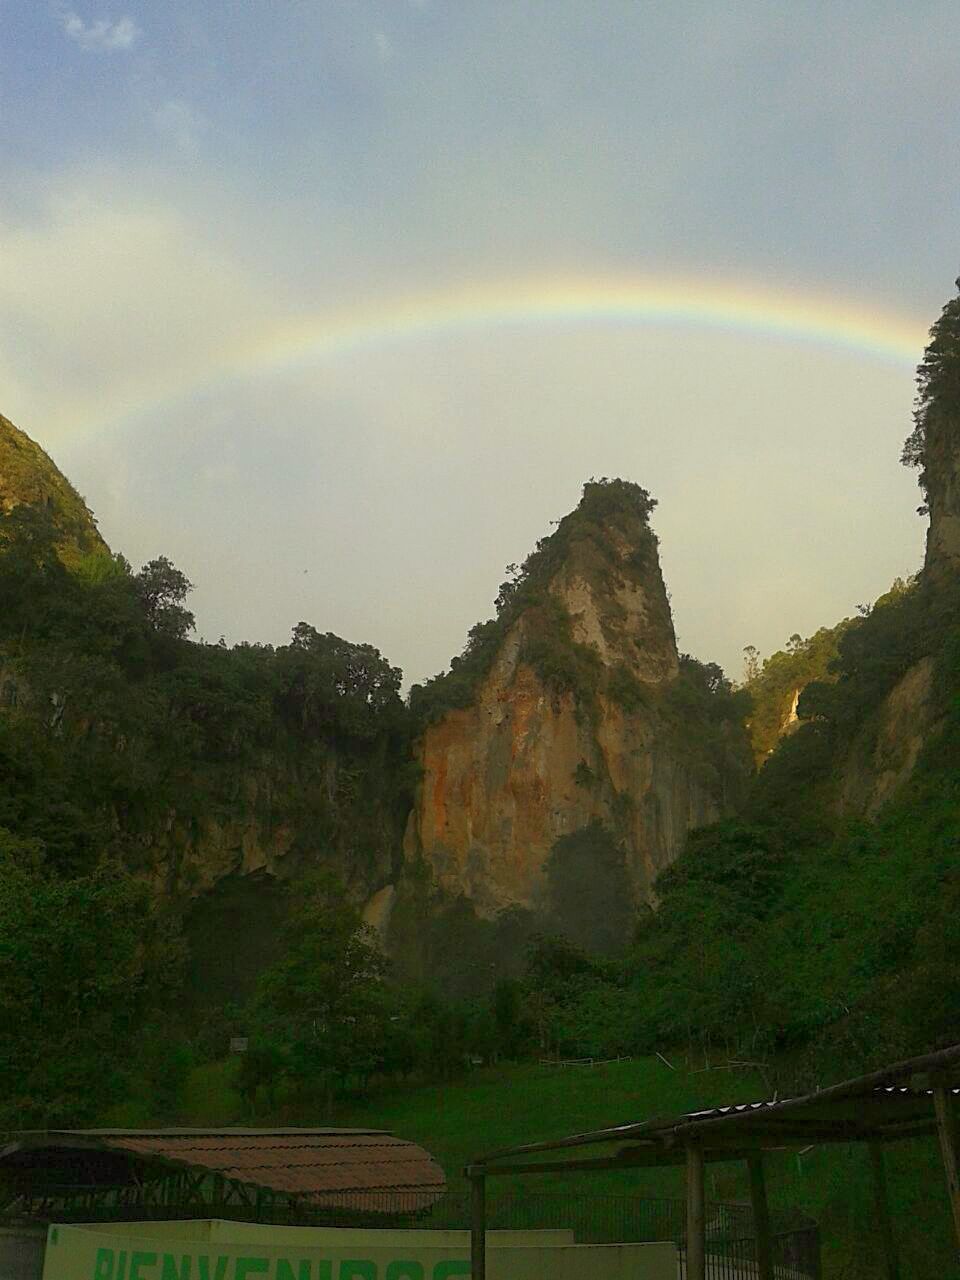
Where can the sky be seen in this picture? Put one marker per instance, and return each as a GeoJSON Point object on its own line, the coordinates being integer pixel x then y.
{"type": "Point", "coordinates": [337, 303]}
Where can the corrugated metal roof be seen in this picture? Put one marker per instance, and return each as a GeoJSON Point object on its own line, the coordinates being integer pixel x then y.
{"type": "Point", "coordinates": [891, 1103]}
{"type": "Point", "coordinates": [313, 1164]}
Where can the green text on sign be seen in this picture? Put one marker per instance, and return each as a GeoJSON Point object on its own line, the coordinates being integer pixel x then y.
{"type": "Point", "coordinates": [119, 1264]}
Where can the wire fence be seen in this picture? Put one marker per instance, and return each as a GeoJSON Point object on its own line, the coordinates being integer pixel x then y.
{"type": "Point", "coordinates": [612, 1219]}
{"type": "Point", "coordinates": [594, 1219]}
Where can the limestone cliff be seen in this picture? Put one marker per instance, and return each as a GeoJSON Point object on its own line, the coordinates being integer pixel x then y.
{"type": "Point", "coordinates": [579, 714]}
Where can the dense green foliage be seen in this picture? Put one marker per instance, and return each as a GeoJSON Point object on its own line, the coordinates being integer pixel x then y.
{"type": "Point", "coordinates": [114, 726]}
{"type": "Point", "coordinates": [82, 960]}
{"type": "Point", "coordinates": [122, 744]}
{"type": "Point", "coordinates": [815, 933]}
{"type": "Point", "coordinates": [936, 429]}
{"type": "Point", "coordinates": [321, 1012]}
{"type": "Point", "coordinates": [329, 1017]}
{"type": "Point", "coordinates": [803, 933]}
{"type": "Point", "coordinates": [775, 684]}
{"type": "Point", "coordinates": [703, 715]}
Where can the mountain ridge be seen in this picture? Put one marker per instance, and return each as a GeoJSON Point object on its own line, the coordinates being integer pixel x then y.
{"type": "Point", "coordinates": [30, 478]}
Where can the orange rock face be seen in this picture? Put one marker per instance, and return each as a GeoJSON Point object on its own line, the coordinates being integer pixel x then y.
{"type": "Point", "coordinates": [523, 765]}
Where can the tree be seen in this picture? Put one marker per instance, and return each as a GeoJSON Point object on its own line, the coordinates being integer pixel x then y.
{"type": "Point", "coordinates": [81, 962]}
{"type": "Point", "coordinates": [331, 685]}
{"type": "Point", "coordinates": [751, 663]}
{"type": "Point", "coordinates": [324, 1006]}
{"type": "Point", "coordinates": [936, 418]}
{"type": "Point", "coordinates": [162, 589]}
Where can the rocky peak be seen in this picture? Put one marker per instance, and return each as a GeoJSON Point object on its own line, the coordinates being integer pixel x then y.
{"type": "Point", "coordinates": [29, 477]}
{"type": "Point", "coordinates": [608, 582]}
{"type": "Point", "coordinates": [559, 715]}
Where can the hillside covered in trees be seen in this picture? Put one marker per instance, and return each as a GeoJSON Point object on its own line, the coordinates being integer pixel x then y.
{"type": "Point", "coordinates": [817, 930]}
{"type": "Point", "coordinates": [137, 765]}
{"type": "Point", "coordinates": [809, 923]}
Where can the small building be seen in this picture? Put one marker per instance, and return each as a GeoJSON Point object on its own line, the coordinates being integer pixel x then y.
{"type": "Point", "coordinates": [70, 1175]}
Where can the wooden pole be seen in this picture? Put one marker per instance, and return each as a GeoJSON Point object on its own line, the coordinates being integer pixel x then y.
{"type": "Point", "coordinates": [948, 1149]}
{"type": "Point", "coordinates": [696, 1216]}
{"type": "Point", "coordinates": [478, 1226]}
{"type": "Point", "coordinates": [761, 1218]}
{"type": "Point", "coordinates": [891, 1260]}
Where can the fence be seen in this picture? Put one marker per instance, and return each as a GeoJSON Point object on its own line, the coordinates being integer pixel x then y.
{"type": "Point", "coordinates": [594, 1219]}
{"type": "Point", "coordinates": [599, 1219]}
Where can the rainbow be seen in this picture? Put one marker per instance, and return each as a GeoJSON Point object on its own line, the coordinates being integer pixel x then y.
{"type": "Point", "coordinates": [544, 305]}
{"type": "Point", "coordinates": [596, 302]}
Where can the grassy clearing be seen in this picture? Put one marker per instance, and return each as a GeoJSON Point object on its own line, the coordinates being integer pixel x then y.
{"type": "Point", "coordinates": [502, 1106]}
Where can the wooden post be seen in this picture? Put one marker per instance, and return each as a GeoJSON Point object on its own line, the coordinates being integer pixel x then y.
{"type": "Point", "coordinates": [948, 1149]}
{"type": "Point", "coordinates": [891, 1261]}
{"type": "Point", "coordinates": [696, 1216]}
{"type": "Point", "coordinates": [761, 1217]}
{"type": "Point", "coordinates": [478, 1226]}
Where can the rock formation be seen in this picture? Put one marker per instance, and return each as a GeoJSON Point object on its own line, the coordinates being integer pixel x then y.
{"type": "Point", "coordinates": [579, 717]}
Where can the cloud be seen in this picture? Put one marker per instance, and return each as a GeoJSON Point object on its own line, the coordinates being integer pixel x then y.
{"type": "Point", "coordinates": [123, 294]}
{"type": "Point", "coordinates": [101, 35]}
{"type": "Point", "coordinates": [385, 49]}
{"type": "Point", "coordinates": [177, 120]}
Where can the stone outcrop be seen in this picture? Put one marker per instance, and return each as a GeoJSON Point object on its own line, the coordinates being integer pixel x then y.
{"type": "Point", "coordinates": [527, 761]}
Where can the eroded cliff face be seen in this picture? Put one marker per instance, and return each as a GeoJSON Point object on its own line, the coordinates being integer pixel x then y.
{"type": "Point", "coordinates": [527, 762]}
{"type": "Point", "coordinates": [505, 778]}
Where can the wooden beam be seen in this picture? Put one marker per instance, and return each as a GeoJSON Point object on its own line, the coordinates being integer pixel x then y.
{"type": "Point", "coordinates": [942, 1105]}
{"type": "Point", "coordinates": [478, 1226]}
{"type": "Point", "coordinates": [891, 1260]}
{"type": "Point", "coordinates": [576, 1166]}
{"type": "Point", "coordinates": [647, 1157]}
{"type": "Point", "coordinates": [761, 1218]}
{"type": "Point", "coordinates": [770, 1137]}
{"type": "Point", "coordinates": [696, 1216]}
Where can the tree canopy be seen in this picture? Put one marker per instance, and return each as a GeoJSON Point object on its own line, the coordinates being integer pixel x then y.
{"type": "Point", "coordinates": [936, 421]}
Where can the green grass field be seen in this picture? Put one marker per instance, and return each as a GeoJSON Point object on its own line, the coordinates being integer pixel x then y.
{"type": "Point", "coordinates": [496, 1107]}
